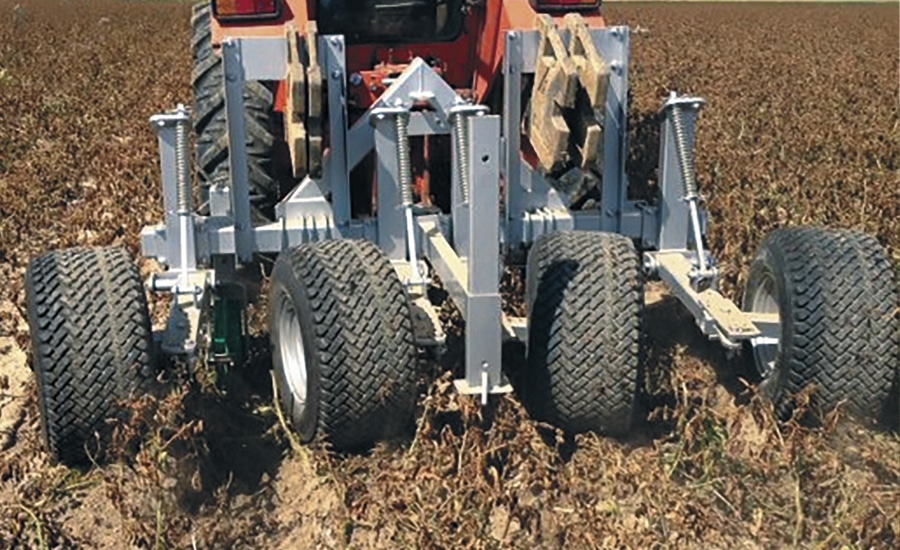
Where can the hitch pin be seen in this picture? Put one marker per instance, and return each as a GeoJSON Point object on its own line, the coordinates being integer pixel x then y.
{"type": "Point", "coordinates": [484, 383]}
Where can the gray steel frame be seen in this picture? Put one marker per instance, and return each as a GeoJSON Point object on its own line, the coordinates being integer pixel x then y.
{"type": "Point", "coordinates": [463, 247]}
{"type": "Point", "coordinates": [534, 207]}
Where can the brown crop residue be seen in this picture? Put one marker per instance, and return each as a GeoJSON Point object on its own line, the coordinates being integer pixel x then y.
{"type": "Point", "coordinates": [801, 127]}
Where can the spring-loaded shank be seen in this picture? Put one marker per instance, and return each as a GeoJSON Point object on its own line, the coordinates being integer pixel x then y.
{"type": "Point", "coordinates": [400, 119]}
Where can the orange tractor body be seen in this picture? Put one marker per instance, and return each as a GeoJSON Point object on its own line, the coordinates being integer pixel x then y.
{"type": "Point", "coordinates": [470, 63]}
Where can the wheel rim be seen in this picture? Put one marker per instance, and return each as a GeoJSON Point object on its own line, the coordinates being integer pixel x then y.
{"type": "Point", "coordinates": [292, 351]}
{"type": "Point", "coordinates": [765, 348]}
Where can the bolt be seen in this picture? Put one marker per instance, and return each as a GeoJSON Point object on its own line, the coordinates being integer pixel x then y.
{"type": "Point", "coordinates": [615, 33]}
{"type": "Point", "coordinates": [356, 79]}
{"type": "Point", "coordinates": [379, 116]}
{"type": "Point", "coordinates": [335, 41]}
{"type": "Point", "coordinates": [512, 36]}
{"type": "Point", "coordinates": [336, 74]}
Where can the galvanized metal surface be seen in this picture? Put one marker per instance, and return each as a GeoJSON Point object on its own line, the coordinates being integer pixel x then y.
{"type": "Point", "coordinates": [464, 246]}
{"type": "Point", "coordinates": [232, 57]}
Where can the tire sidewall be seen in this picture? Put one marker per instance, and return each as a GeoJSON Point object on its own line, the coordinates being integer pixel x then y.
{"type": "Point", "coordinates": [285, 286]}
{"type": "Point", "coordinates": [768, 264]}
{"type": "Point", "coordinates": [37, 358]}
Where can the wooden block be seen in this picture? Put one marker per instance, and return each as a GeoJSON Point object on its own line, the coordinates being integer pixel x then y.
{"type": "Point", "coordinates": [555, 84]}
{"type": "Point", "coordinates": [295, 106]}
{"type": "Point", "coordinates": [593, 73]}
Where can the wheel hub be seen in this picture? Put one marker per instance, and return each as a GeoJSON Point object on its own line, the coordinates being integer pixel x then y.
{"type": "Point", "coordinates": [765, 348]}
{"type": "Point", "coordinates": [292, 351]}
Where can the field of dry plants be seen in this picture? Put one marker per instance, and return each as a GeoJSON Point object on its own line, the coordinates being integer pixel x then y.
{"type": "Point", "coordinates": [801, 127]}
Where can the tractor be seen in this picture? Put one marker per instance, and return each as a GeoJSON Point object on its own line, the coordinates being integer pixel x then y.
{"type": "Point", "coordinates": [357, 151]}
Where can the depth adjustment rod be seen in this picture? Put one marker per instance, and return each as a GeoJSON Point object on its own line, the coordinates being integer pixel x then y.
{"type": "Point", "coordinates": [400, 116]}
{"type": "Point", "coordinates": [182, 198]}
{"type": "Point", "coordinates": [677, 110]}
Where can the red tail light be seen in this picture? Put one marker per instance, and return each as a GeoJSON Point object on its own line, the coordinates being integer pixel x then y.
{"type": "Point", "coordinates": [564, 5]}
{"type": "Point", "coordinates": [245, 9]}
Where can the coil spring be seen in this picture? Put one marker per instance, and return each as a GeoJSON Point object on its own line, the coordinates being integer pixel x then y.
{"type": "Point", "coordinates": [461, 135]}
{"type": "Point", "coordinates": [401, 121]}
{"type": "Point", "coordinates": [182, 170]}
{"type": "Point", "coordinates": [685, 154]}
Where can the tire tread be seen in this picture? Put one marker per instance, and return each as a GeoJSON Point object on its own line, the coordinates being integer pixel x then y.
{"type": "Point", "coordinates": [585, 298]}
{"type": "Point", "coordinates": [365, 345]}
{"type": "Point", "coordinates": [90, 333]}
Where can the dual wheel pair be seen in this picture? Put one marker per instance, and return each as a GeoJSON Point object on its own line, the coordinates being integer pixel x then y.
{"type": "Point", "coordinates": [346, 361]}
{"type": "Point", "coordinates": [344, 351]}
{"type": "Point", "coordinates": [834, 291]}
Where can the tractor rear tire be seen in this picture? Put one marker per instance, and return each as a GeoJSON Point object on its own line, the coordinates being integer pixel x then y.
{"type": "Point", "coordinates": [91, 343]}
{"type": "Point", "coordinates": [836, 296]}
{"type": "Point", "coordinates": [585, 298]}
{"type": "Point", "coordinates": [343, 348]}
{"type": "Point", "coordinates": [212, 130]}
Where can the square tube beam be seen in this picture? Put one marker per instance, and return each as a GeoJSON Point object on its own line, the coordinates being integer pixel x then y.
{"type": "Point", "coordinates": [483, 332]}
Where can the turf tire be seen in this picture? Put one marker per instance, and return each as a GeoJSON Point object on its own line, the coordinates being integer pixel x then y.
{"type": "Point", "coordinates": [837, 299]}
{"type": "Point", "coordinates": [584, 292]}
{"type": "Point", "coordinates": [356, 341]}
{"type": "Point", "coordinates": [91, 344]}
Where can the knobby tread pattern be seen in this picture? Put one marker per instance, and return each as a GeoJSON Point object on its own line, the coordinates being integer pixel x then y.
{"type": "Point", "coordinates": [90, 332]}
{"type": "Point", "coordinates": [840, 330]}
{"type": "Point", "coordinates": [365, 347]}
{"type": "Point", "coordinates": [211, 128]}
{"type": "Point", "coordinates": [585, 298]}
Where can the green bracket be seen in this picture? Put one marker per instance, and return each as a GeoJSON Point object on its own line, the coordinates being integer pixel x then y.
{"type": "Point", "coordinates": [228, 331]}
